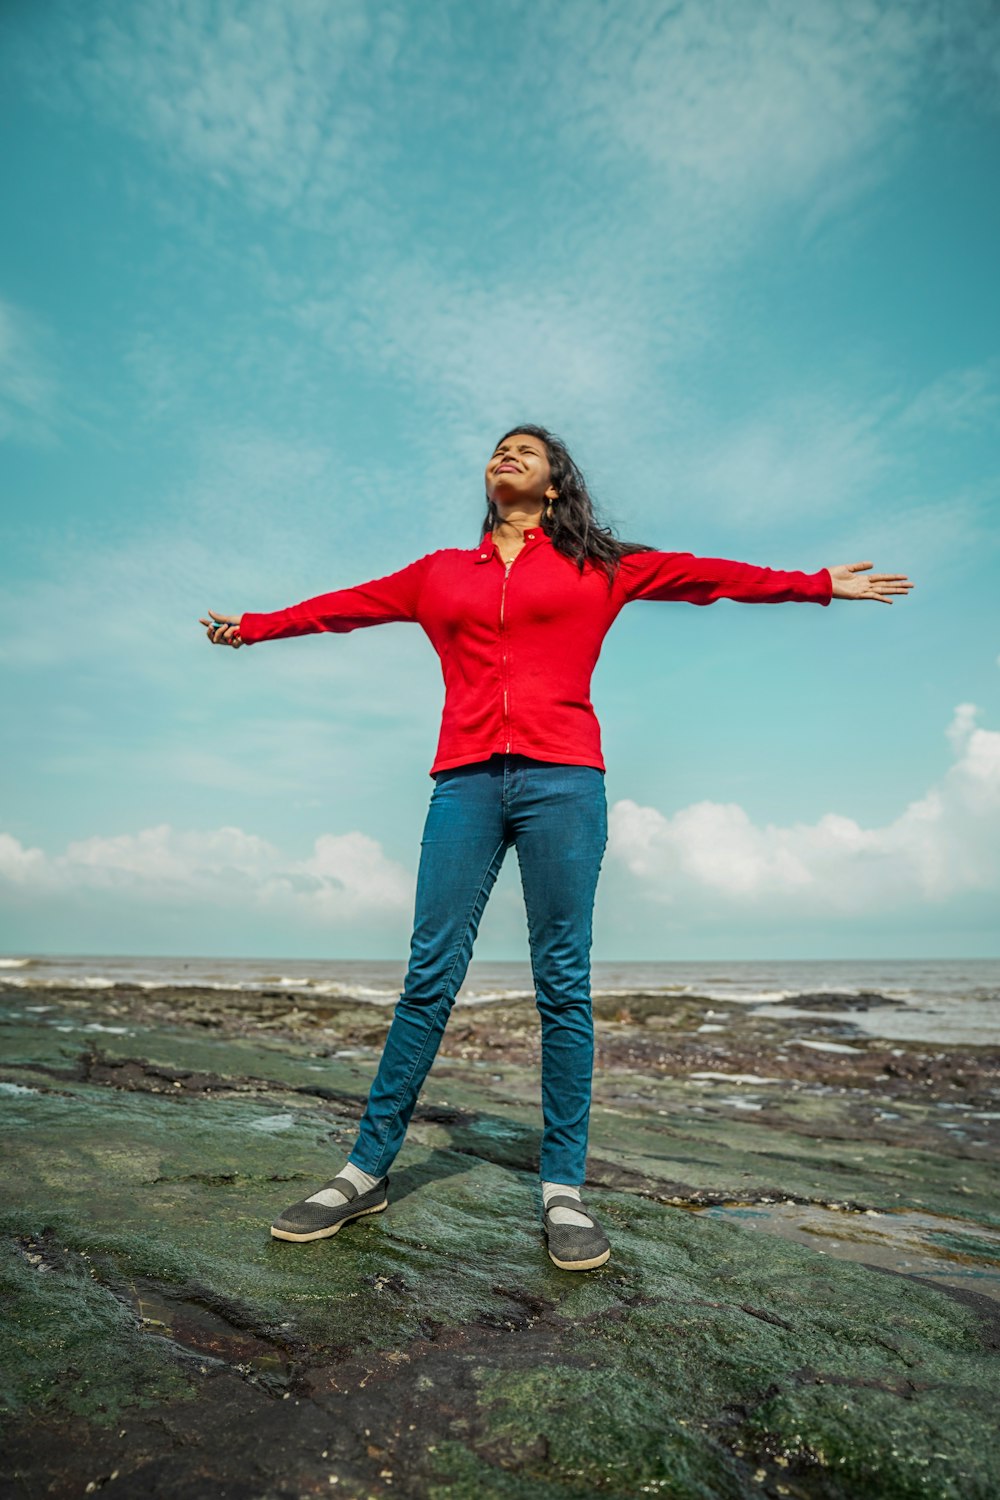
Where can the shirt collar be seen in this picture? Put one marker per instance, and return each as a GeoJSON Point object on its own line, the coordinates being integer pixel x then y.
{"type": "Point", "coordinates": [534, 537]}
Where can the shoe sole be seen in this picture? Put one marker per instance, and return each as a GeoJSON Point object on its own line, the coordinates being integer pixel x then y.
{"type": "Point", "coordinates": [580, 1265]}
{"type": "Point", "coordinates": [323, 1234]}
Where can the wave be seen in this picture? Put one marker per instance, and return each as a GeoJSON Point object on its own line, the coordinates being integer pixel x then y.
{"type": "Point", "coordinates": [347, 990]}
{"type": "Point", "coordinates": [254, 986]}
{"type": "Point", "coordinates": [78, 982]}
{"type": "Point", "coordinates": [322, 987]}
{"type": "Point", "coordinates": [21, 975]}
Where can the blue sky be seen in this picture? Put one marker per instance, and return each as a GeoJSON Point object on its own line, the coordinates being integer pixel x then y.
{"type": "Point", "coordinates": [274, 280]}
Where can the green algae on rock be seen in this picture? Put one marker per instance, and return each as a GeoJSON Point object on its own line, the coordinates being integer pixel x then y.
{"type": "Point", "coordinates": [155, 1332]}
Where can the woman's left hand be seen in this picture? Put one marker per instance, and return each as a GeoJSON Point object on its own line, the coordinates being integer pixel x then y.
{"type": "Point", "coordinates": [849, 584]}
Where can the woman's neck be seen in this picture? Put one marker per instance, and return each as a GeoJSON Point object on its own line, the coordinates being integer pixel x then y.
{"type": "Point", "coordinates": [512, 528]}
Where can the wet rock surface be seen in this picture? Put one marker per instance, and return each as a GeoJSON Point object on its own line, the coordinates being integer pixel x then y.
{"type": "Point", "coordinates": [803, 1296]}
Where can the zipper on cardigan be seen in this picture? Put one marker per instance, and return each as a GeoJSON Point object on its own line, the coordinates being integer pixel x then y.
{"type": "Point", "coordinates": [506, 706]}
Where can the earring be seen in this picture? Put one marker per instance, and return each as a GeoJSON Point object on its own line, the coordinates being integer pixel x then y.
{"type": "Point", "coordinates": [548, 513]}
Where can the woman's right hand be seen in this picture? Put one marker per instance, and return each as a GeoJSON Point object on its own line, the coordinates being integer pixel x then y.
{"type": "Point", "coordinates": [223, 630]}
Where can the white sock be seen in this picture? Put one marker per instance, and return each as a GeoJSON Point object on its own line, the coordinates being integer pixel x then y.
{"type": "Point", "coordinates": [563, 1215]}
{"type": "Point", "coordinates": [331, 1197]}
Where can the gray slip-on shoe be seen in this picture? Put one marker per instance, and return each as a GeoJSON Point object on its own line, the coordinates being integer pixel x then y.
{"type": "Point", "coordinates": [574, 1247]}
{"type": "Point", "coordinates": [314, 1221]}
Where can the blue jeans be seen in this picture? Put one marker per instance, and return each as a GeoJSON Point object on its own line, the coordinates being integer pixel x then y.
{"type": "Point", "coordinates": [556, 816]}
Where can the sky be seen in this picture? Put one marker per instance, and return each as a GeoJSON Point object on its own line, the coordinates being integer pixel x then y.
{"type": "Point", "coordinates": [273, 281]}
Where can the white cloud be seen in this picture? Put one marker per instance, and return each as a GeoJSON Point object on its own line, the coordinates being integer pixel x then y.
{"type": "Point", "coordinates": [690, 127]}
{"type": "Point", "coordinates": [262, 95]}
{"type": "Point", "coordinates": [962, 727]}
{"type": "Point", "coordinates": [347, 876]}
{"type": "Point", "coordinates": [728, 104]}
{"type": "Point", "coordinates": [805, 454]}
{"type": "Point", "coordinates": [855, 452]}
{"type": "Point", "coordinates": [27, 385]}
{"type": "Point", "coordinates": [740, 109]}
{"type": "Point", "coordinates": [475, 350]}
{"type": "Point", "coordinates": [144, 700]}
{"type": "Point", "coordinates": [943, 845]}
{"type": "Point", "coordinates": [958, 401]}
{"type": "Point", "coordinates": [709, 115]}
{"type": "Point", "coordinates": [253, 527]}
{"type": "Point", "coordinates": [706, 857]}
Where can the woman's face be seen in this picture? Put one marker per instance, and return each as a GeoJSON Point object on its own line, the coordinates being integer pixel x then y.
{"type": "Point", "coordinates": [518, 474]}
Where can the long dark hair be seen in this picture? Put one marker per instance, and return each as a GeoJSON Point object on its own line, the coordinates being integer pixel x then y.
{"type": "Point", "coordinates": [573, 528]}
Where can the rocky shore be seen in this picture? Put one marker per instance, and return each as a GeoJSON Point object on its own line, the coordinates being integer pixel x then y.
{"type": "Point", "coordinates": [803, 1297]}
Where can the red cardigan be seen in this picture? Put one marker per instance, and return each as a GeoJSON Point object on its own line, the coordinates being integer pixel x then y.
{"type": "Point", "coordinates": [518, 642]}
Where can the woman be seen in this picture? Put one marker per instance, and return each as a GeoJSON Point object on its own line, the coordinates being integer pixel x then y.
{"type": "Point", "coordinates": [518, 622]}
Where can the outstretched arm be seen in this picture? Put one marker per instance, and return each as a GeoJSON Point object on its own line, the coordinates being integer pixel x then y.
{"type": "Point", "coordinates": [848, 583]}
{"type": "Point", "coordinates": [379, 602]}
{"type": "Point", "coordinates": [703, 580]}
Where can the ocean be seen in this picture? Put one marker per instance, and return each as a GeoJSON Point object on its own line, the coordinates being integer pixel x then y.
{"type": "Point", "coordinates": [938, 1001]}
